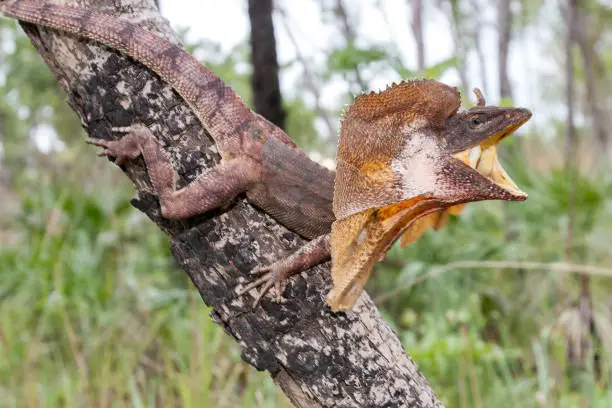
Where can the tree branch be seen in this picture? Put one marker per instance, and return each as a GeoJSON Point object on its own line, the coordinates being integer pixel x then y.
{"type": "Point", "coordinates": [318, 358]}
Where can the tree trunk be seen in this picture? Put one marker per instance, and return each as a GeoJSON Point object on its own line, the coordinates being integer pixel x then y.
{"type": "Point", "coordinates": [504, 22]}
{"type": "Point", "coordinates": [417, 31]}
{"type": "Point", "coordinates": [319, 359]}
{"type": "Point", "coordinates": [591, 61]}
{"type": "Point", "coordinates": [482, 61]}
{"type": "Point", "coordinates": [459, 39]}
{"type": "Point", "coordinates": [309, 77]}
{"type": "Point", "coordinates": [349, 37]}
{"type": "Point", "coordinates": [264, 81]}
{"type": "Point", "coordinates": [570, 136]}
{"type": "Point", "coordinates": [585, 307]}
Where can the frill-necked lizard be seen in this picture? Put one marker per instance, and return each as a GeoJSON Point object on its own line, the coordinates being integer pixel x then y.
{"type": "Point", "coordinates": [419, 157]}
{"type": "Point", "coordinates": [407, 156]}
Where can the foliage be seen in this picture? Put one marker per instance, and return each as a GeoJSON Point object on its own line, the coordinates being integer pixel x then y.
{"type": "Point", "coordinates": [351, 57]}
{"type": "Point", "coordinates": [94, 313]}
{"type": "Point", "coordinates": [492, 337]}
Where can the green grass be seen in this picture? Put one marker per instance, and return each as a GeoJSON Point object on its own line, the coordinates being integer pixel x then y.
{"type": "Point", "coordinates": [94, 313]}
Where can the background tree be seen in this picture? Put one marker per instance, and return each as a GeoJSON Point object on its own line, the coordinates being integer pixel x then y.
{"type": "Point", "coordinates": [264, 81]}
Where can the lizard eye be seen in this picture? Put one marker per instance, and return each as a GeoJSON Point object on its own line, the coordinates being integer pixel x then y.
{"type": "Point", "coordinates": [476, 121]}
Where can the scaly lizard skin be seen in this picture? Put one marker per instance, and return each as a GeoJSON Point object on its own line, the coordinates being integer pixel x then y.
{"type": "Point", "coordinates": [407, 156]}
{"type": "Point", "coordinates": [257, 157]}
{"type": "Point", "coordinates": [261, 160]}
{"type": "Point", "coordinates": [419, 156]}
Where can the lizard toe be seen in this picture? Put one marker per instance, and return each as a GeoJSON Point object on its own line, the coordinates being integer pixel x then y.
{"type": "Point", "coordinates": [96, 142]}
{"type": "Point", "coordinates": [265, 289]}
{"type": "Point", "coordinates": [261, 270]}
{"type": "Point", "coordinates": [272, 277]}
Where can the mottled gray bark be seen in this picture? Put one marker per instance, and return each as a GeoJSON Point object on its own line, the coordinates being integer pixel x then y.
{"type": "Point", "coordinates": [318, 358]}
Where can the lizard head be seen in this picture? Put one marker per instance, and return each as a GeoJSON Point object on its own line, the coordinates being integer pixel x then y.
{"type": "Point", "coordinates": [471, 137]}
{"type": "Point", "coordinates": [407, 157]}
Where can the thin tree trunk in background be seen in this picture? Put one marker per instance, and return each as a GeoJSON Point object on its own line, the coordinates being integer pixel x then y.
{"type": "Point", "coordinates": [570, 136]}
{"type": "Point", "coordinates": [349, 36]}
{"type": "Point", "coordinates": [264, 81]}
{"type": "Point", "coordinates": [591, 61]}
{"type": "Point", "coordinates": [504, 24]}
{"type": "Point", "coordinates": [458, 42]}
{"type": "Point", "coordinates": [308, 77]}
{"type": "Point", "coordinates": [417, 31]}
{"type": "Point", "coordinates": [482, 63]}
{"type": "Point", "coordinates": [580, 36]}
{"type": "Point", "coordinates": [576, 358]}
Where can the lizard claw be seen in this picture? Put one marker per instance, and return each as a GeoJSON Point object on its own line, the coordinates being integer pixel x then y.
{"type": "Point", "coordinates": [123, 149]}
{"type": "Point", "coordinates": [273, 275]}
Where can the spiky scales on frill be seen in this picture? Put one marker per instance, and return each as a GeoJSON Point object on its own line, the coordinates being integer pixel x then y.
{"type": "Point", "coordinates": [370, 139]}
{"type": "Point", "coordinates": [400, 172]}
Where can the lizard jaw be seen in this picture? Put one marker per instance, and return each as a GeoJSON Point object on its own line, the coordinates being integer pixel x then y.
{"type": "Point", "coordinates": [483, 159]}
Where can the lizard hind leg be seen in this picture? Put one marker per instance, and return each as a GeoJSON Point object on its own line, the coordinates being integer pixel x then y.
{"type": "Point", "coordinates": [139, 140]}
{"type": "Point", "coordinates": [276, 274]}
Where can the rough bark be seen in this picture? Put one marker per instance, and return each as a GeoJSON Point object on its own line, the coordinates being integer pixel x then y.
{"type": "Point", "coordinates": [264, 81]}
{"type": "Point", "coordinates": [318, 358]}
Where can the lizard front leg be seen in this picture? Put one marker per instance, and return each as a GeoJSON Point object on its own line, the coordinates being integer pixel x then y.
{"type": "Point", "coordinates": [311, 254]}
{"type": "Point", "coordinates": [213, 189]}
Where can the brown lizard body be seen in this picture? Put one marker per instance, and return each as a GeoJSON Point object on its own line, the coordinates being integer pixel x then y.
{"type": "Point", "coordinates": [373, 200]}
{"type": "Point", "coordinates": [257, 157]}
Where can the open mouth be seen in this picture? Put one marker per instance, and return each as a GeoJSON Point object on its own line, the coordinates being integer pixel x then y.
{"type": "Point", "coordinates": [483, 158]}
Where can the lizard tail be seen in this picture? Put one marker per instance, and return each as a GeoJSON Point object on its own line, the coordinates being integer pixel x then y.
{"type": "Point", "coordinates": [217, 106]}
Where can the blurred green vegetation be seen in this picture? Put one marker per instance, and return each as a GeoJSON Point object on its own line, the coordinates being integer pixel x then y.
{"type": "Point", "coordinates": [93, 311]}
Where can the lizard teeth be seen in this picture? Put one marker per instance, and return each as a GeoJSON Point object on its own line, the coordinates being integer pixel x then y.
{"type": "Point", "coordinates": [474, 156]}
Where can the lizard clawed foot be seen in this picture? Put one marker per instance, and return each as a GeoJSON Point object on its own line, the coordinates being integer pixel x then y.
{"type": "Point", "coordinates": [275, 275]}
{"type": "Point", "coordinates": [123, 149]}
